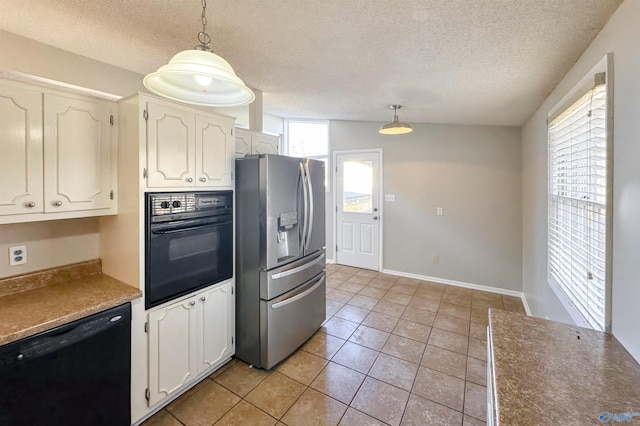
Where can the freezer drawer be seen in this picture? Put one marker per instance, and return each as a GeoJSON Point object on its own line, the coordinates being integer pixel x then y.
{"type": "Point", "coordinates": [278, 281]}
{"type": "Point", "coordinates": [288, 321]}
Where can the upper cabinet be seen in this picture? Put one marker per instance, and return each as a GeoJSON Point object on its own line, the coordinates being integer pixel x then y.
{"type": "Point", "coordinates": [59, 155]}
{"type": "Point", "coordinates": [186, 148]}
{"type": "Point", "coordinates": [249, 142]}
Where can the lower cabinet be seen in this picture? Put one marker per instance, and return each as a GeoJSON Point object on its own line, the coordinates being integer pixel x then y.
{"type": "Point", "coordinates": [189, 337]}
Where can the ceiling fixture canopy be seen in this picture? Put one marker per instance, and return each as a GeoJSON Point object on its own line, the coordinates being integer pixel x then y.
{"type": "Point", "coordinates": [199, 77]}
{"type": "Point", "coordinates": [395, 127]}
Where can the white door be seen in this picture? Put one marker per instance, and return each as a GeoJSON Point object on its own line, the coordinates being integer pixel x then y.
{"type": "Point", "coordinates": [358, 209]}
{"type": "Point", "coordinates": [217, 327]}
{"type": "Point", "coordinates": [214, 151]}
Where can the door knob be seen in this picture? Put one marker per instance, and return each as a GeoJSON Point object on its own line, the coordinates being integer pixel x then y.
{"type": "Point", "coordinates": [375, 209]}
{"type": "Point", "coordinates": [375, 218]}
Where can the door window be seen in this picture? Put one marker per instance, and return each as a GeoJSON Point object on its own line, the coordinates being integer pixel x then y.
{"type": "Point", "coordinates": [357, 191]}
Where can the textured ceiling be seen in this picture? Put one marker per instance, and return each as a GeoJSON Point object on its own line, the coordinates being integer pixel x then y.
{"type": "Point", "coordinates": [445, 61]}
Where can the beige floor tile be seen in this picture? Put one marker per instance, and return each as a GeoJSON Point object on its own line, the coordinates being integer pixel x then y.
{"type": "Point", "coordinates": [162, 418]}
{"type": "Point", "coordinates": [339, 295]}
{"type": "Point", "coordinates": [419, 316]}
{"type": "Point", "coordinates": [205, 406]}
{"type": "Point", "coordinates": [388, 277]}
{"type": "Point", "coordinates": [470, 421]}
{"type": "Point", "coordinates": [323, 345]}
{"type": "Point", "coordinates": [424, 304]}
{"type": "Point", "coordinates": [412, 330]}
{"type": "Point", "coordinates": [246, 414]}
{"type": "Point", "coordinates": [339, 327]}
{"type": "Point", "coordinates": [381, 401]}
{"type": "Point", "coordinates": [333, 283]}
{"type": "Point", "coordinates": [450, 341]}
{"type": "Point", "coordinates": [513, 304]}
{"type": "Point", "coordinates": [402, 288]}
{"type": "Point", "coordinates": [369, 337]}
{"type": "Point", "coordinates": [352, 313]}
{"type": "Point", "coordinates": [457, 299]}
{"type": "Point", "coordinates": [415, 283]}
{"type": "Point", "coordinates": [340, 275]}
{"type": "Point", "coordinates": [356, 357]}
{"type": "Point", "coordinates": [394, 371]}
{"type": "Point", "coordinates": [276, 394]}
{"type": "Point", "coordinates": [483, 303]}
{"type": "Point", "coordinates": [456, 311]}
{"type": "Point", "coordinates": [302, 366]}
{"type": "Point", "coordinates": [380, 283]}
{"type": "Point", "coordinates": [439, 387]}
{"type": "Point", "coordinates": [350, 287]}
{"type": "Point", "coordinates": [476, 371]}
{"type": "Point", "coordinates": [422, 412]}
{"type": "Point", "coordinates": [240, 379]}
{"type": "Point", "coordinates": [364, 302]}
{"type": "Point", "coordinates": [395, 297]}
{"type": "Point", "coordinates": [475, 401]}
{"type": "Point", "coordinates": [407, 349]}
{"type": "Point", "coordinates": [477, 349]}
{"type": "Point", "coordinates": [432, 286]}
{"type": "Point", "coordinates": [332, 267]}
{"type": "Point", "coordinates": [445, 361]}
{"type": "Point", "coordinates": [223, 368]}
{"type": "Point", "coordinates": [452, 289]}
{"type": "Point", "coordinates": [185, 396]}
{"type": "Point", "coordinates": [389, 308]}
{"type": "Point", "coordinates": [339, 382]}
{"type": "Point", "coordinates": [367, 273]}
{"type": "Point", "coordinates": [486, 295]}
{"type": "Point", "coordinates": [354, 417]}
{"type": "Point", "coordinates": [380, 321]}
{"type": "Point", "coordinates": [333, 306]}
{"type": "Point", "coordinates": [314, 409]}
{"type": "Point", "coordinates": [456, 325]}
{"type": "Point", "coordinates": [429, 293]}
{"type": "Point", "coordinates": [359, 279]}
{"type": "Point", "coordinates": [349, 269]}
{"type": "Point", "coordinates": [478, 331]}
{"type": "Point", "coordinates": [373, 292]}
{"type": "Point", "coordinates": [480, 316]}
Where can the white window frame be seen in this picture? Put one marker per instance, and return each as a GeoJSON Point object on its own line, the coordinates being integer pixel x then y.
{"type": "Point", "coordinates": [327, 158]}
{"type": "Point", "coordinates": [570, 302]}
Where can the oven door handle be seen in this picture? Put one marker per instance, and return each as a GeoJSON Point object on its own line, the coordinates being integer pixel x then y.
{"type": "Point", "coordinates": [189, 228]}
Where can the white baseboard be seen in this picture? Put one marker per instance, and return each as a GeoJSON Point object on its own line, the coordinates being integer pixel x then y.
{"type": "Point", "coordinates": [525, 304]}
{"type": "Point", "coordinates": [330, 261]}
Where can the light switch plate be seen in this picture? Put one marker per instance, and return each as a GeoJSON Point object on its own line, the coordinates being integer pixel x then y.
{"type": "Point", "coordinates": [390, 198]}
{"type": "Point", "coordinates": [17, 255]}
{"type": "Point", "coordinates": [439, 211]}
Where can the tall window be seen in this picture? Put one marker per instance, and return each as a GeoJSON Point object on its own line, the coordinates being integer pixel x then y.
{"type": "Point", "coordinates": [578, 195]}
{"type": "Point", "coordinates": [308, 139]}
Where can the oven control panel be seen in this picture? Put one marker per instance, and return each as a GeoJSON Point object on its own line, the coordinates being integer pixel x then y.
{"type": "Point", "coordinates": [187, 204]}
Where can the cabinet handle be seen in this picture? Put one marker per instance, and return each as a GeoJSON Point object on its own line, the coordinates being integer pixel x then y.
{"type": "Point", "coordinates": [202, 299]}
{"type": "Point", "coordinates": [203, 179]}
{"type": "Point", "coordinates": [189, 180]}
{"type": "Point", "coordinates": [192, 303]}
{"type": "Point", "coordinates": [57, 203]}
{"type": "Point", "coordinates": [31, 204]}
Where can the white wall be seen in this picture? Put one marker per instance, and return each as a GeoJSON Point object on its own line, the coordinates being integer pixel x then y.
{"type": "Point", "coordinates": [473, 173]}
{"type": "Point", "coordinates": [620, 36]}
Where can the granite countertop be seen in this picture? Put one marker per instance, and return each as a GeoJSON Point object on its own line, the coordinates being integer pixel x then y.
{"type": "Point", "coordinates": [547, 372]}
{"type": "Point", "coordinates": [37, 302]}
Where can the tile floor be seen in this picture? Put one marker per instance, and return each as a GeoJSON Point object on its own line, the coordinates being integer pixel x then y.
{"type": "Point", "coordinates": [392, 351]}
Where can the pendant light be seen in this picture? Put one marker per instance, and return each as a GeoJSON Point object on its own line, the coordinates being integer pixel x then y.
{"type": "Point", "coordinates": [199, 77]}
{"type": "Point", "coordinates": [395, 127]}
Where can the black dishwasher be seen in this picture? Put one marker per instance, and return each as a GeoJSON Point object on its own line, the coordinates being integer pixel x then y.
{"type": "Point", "coordinates": [75, 374]}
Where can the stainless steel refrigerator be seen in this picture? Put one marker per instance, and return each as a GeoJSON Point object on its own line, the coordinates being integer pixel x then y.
{"type": "Point", "coordinates": [280, 256]}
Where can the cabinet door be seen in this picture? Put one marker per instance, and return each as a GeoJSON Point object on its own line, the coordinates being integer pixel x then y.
{"type": "Point", "coordinates": [214, 151]}
{"type": "Point", "coordinates": [20, 151]}
{"type": "Point", "coordinates": [243, 143]}
{"type": "Point", "coordinates": [77, 154]}
{"type": "Point", "coordinates": [170, 147]}
{"type": "Point", "coordinates": [218, 326]}
{"type": "Point", "coordinates": [264, 144]}
{"type": "Point", "coordinates": [172, 349]}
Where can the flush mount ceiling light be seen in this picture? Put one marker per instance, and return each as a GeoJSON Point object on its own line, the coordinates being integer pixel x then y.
{"type": "Point", "coordinates": [199, 77]}
{"type": "Point", "coordinates": [395, 127]}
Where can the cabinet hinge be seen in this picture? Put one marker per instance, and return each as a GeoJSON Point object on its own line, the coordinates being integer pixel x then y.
{"type": "Point", "coordinates": [111, 120]}
{"type": "Point", "coordinates": [145, 174]}
{"type": "Point", "coordinates": [146, 327]}
{"type": "Point", "coordinates": [111, 194]}
{"type": "Point", "coordinates": [145, 114]}
{"type": "Point", "coordinates": [232, 340]}
{"type": "Point", "coordinates": [147, 394]}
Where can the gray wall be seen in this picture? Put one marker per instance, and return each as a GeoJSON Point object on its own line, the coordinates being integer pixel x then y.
{"type": "Point", "coordinates": [619, 36]}
{"type": "Point", "coordinates": [473, 173]}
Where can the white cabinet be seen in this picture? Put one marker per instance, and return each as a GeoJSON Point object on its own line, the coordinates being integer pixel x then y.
{"type": "Point", "coordinates": [187, 149]}
{"type": "Point", "coordinates": [188, 338]}
{"type": "Point", "coordinates": [59, 155]}
{"type": "Point", "coordinates": [248, 142]}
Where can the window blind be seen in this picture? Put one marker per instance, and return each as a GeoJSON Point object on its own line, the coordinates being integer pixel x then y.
{"type": "Point", "coordinates": [577, 196]}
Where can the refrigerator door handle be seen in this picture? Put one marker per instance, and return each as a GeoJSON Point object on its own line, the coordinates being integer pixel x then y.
{"type": "Point", "coordinates": [310, 227]}
{"type": "Point", "coordinates": [305, 195]}
{"type": "Point", "coordinates": [298, 269]}
{"type": "Point", "coordinates": [298, 296]}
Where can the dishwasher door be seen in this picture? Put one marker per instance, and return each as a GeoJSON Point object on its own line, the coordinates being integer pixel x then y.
{"type": "Point", "coordinates": [75, 374]}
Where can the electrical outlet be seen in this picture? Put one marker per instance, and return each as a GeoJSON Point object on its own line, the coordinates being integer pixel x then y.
{"type": "Point", "coordinates": [17, 255]}
{"type": "Point", "coordinates": [435, 259]}
{"type": "Point", "coordinates": [439, 211]}
{"type": "Point", "coordinates": [391, 198]}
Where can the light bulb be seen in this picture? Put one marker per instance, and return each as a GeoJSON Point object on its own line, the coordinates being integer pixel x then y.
{"type": "Point", "coordinates": [203, 80]}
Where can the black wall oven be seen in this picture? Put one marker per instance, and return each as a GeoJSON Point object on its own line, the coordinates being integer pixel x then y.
{"type": "Point", "coordinates": [189, 242]}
